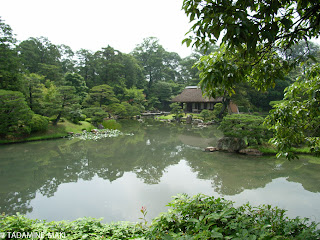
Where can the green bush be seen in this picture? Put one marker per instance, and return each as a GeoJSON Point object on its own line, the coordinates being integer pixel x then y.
{"type": "Point", "coordinates": [204, 217]}
{"type": "Point", "coordinates": [38, 123]}
{"type": "Point", "coordinates": [95, 114]}
{"type": "Point", "coordinates": [176, 108]}
{"type": "Point", "coordinates": [84, 228]}
{"type": "Point", "coordinates": [14, 114]}
{"type": "Point", "coordinates": [207, 114]}
{"type": "Point", "coordinates": [111, 124]}
{"type": "Point", "coordinates": [245, 126]}
{"type": "Point", "coordinates": [76, 116]}
{"type": "Point", "coordinates": [199, 217]}
{"type": "Point", "coordinates": [124, 109]}
{"type": "Point", "coordinates": [217, 109]}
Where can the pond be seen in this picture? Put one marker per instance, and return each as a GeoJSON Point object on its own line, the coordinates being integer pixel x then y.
{"type": "Point", "coordinates": [112, 178]}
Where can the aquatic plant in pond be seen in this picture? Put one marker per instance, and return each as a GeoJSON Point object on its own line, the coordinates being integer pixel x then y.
{"type": "Point", "coordinates": [99, 134]}
{"type": "Point", "coordinates": [144, 222]}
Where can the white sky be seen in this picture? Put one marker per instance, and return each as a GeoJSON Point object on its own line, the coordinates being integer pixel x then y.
{"type": "Point", "coordinates": [93, 24]}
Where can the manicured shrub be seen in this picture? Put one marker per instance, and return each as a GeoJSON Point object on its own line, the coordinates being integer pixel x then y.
{"type": "Point", "coordinates": [245, 126]}
{"type": "Point", "coordinates": [95, 114]}
{"type": "Point", "coordinates": [124, 109]}
{"type": "Point", "coordinates": [38, 123]}
{"type": "Point", "coordinates": [111, 124]}
{"type": "Point", "coordinates": [207, 114]}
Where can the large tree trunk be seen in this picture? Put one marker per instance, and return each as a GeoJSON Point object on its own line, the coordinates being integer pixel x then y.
{"type": "Point", "coordinates": [55, 122]}
{"type": "Point", "coordinates": [225, 102]}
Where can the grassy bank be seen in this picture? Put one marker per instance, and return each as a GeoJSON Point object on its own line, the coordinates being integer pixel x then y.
{"type": "Point", "coordinates": [197, 217]}
{"type": "Point", "coordinates": [269, 149]}
{"type": "Point", "coordinates": [54, 131]}
{"type": "Point", "coordinates": [172, 116]}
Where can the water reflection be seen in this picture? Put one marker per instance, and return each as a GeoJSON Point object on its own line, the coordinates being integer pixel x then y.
{"type": "Point", "coordinates": [113, 178]}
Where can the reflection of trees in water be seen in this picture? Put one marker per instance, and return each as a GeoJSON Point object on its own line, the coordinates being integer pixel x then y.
{"type": "Point", "coordinates": [43, 166]}
{"type": "Point", "coordinates": [13, 202]}
{"type": "Point", "coordinates": [232, 173]}
{"type": "Point", "coordinates": [303, 172]}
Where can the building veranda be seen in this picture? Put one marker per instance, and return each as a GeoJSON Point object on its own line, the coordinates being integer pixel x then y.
{"type": "Point", "coordinates": [195, 102]}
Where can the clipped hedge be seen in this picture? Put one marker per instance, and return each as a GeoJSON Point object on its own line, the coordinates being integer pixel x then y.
{"type": "Point", "coordinates": [38, 123]}
{"type": "Point", "coordinates": [246, 126]}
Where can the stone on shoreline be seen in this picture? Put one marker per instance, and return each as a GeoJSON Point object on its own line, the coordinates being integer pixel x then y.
{"type": "Point", "coordinates": [251, 151]}
{"type": "Point", "coordinates": [231, 144]}
{"type": "Point", "coordinates": [211, 149]}
{"type": "Point", "coordinates": [94, 130]}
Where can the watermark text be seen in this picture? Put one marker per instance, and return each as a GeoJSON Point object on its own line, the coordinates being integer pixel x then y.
{"type": "Point", "coordinates": [32, 235]}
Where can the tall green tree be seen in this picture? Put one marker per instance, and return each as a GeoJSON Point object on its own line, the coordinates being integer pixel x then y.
{"type": "Point", "coordinates": [255, 36]}
{"type": "Point", "coordinates": [135, 96]}
{"type": "Point", "coordinates": [66, 102]}
{"type": "Point", "coordinates": [133, 72]}
{"type": "Point", "coordinates": [163, 92]}
{"type": "Point", "coordinates": [253, 33]}
{"type": "Point", "coordinates": [189, 73]}
{"type": "Point", "coordinates": [158, 64]}
{"type": "Point", "coordinates": [39, 55]}
{"type": "Point", "coordinates": [295, 120]}
{"type": "Point", "coordinates": [87, 67]}
{"type": "Point", "coordinates": [14, 113]}
{"type": "Point", "coordinates": [252, 28]}
{"type": "Point", "coordinates": [9, 63]}
{"type": "Point", "coordinates": [110, 66]}
{"type": "Point", "coordinates": [67, 58]}
{"type": "Point", "coordinates": [32, 89]}
{"type": "Point", "coordinates": [150, 53]}
{"type": "Point", "coordinates": [101, 95]}
{"type": "Point", "coordinates": [77, 81]}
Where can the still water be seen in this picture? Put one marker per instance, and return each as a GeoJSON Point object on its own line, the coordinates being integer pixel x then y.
{"type": "Point", "coordinates": [112, 178]}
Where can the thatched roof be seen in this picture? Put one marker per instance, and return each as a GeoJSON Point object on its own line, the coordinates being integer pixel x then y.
{"type": "Point", "coordinates": [194, 94]}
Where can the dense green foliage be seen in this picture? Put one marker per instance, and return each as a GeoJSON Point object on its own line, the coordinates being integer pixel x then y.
{"type": "Point", "coordinates": [14, 113]}
{"type": "Point", "coordinates": [38, 123]}
{"type": "Point", "coordinates": [197, 217]}
{"type": "Point", "coordinates": [59, 83]}
{"type": "Point", "coordinates": [246, 126]}
{"type": "Point", "coordinates": [262, 45]}
{"type": "Point", "coordinates": [9, 64]}
{"type": "Point", "coordinates": [295, 120]}
{"type": "Point", "coordinates": [203, 217]}
{"type": "Point", "coordinates": [252, 28]}
{"type": "Point", "coordinates": [207, 114]}
{"type": "Point", "coordinates": [85, 228]}
{"type": "Point", "coordinates": [261, 50]}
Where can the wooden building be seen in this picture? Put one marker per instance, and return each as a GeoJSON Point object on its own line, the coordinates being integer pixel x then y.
{"type": "Point", "coordinates": [196, 102]}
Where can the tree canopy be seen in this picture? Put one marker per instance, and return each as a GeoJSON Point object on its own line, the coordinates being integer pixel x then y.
{"type": "Point", "coordinates": [260, 46]}
{"type": "Point", "coordinates": [9, 64]}
{"type": "Point", "coordinates": [254, 37]}
{"type": "Point", "coordinates": [252, 28]}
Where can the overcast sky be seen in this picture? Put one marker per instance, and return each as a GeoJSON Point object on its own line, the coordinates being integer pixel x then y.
{"type": "Point", "coordinates": [94, 24]}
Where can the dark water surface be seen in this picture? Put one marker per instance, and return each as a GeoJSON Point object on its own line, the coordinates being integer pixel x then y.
{"type": "Point", "coordinates": [113, 177]}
